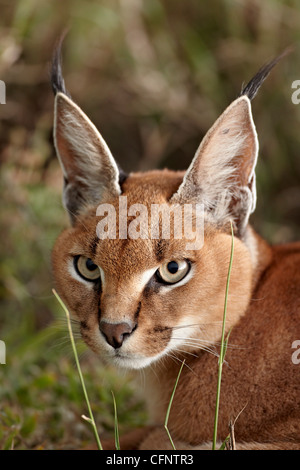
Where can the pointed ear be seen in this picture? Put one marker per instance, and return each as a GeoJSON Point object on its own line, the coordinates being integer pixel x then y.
{"type": "Point", "coordinates": [89, 169]}
{"type": "Point", "coordinates": [221, 175]}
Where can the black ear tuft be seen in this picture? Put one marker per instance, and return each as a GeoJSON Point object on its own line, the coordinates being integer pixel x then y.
{"type": "Point", "coordinates": [57, 80]}
{"type": "Point", "coordinates": [122, 175]}
{"type": "Point", "coordinates": [253, 86]}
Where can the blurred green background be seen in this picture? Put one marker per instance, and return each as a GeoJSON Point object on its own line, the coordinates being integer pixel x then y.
{"type": "Point", "coordinates": [153, 76]}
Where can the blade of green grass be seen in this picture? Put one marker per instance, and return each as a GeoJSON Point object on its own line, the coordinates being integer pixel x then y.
{"type": "Point", "coordinates": [91, 418]}
{"type": "Point", "coordinates": [117, 440]}
{"type": "Point", "coordinates": [223, 445]}
{"type": "Point", "coordinates": [169, 407]}
{"type": "Point", "coordinates": [223, 347]}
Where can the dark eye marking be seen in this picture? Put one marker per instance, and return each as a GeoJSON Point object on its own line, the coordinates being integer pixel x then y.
{"type": "Point", "coordinates": [93, 246]}
{"type": "Point", "coordinates": [136, 315]}
{"type": "Point", "coordinates": [84, 325]}
{"type": "Point", "coordinates": [160, 248]}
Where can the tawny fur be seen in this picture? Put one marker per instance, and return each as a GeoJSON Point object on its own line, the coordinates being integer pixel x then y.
{"type": "Point", "coordinates": [259, 376]}
{"type": "Point", "coordinates": [260, 383]}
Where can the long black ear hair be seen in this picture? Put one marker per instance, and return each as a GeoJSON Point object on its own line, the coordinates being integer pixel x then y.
{"type": "Point", "coordinates": [56, 76]}
{"type": "Point", "coordinates": [58, 85]}
{"type": "Point", "coordinates": [254, 84]}
{"type": "Point", "coordinates": [222, 173]}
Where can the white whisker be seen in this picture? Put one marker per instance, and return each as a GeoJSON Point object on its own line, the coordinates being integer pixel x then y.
{"type": "Point", "coordinates": [197, 345]}
{"type": "Point", "coordinates": [175, 358]}
{"type": "Point", "coordinates": [186, 352]}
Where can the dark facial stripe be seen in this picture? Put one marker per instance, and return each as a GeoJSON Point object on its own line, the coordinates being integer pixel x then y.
{"type": "Point", "coordinates": [84, 325]}
{"type": "Point", "coordinates": [160, 249]}
{"type": "Point", "coordinates": [136, 315]}
{"type": "Point", "coordinates": [93, 246]}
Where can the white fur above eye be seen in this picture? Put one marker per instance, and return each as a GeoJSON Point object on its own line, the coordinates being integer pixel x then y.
{"type": "Point", "coordinates": [145, 277]}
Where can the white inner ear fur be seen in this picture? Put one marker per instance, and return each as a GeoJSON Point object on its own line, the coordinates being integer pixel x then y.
{"type": "Point", "coordinates": [84, 155]}
{"type": "Point", "coordinates": [213, 176]}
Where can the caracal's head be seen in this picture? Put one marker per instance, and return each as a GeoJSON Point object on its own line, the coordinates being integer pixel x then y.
{"type": "Point", "coordinates": [139, 289]}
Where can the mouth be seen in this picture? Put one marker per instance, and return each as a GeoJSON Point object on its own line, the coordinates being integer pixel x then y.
{"type": "Point", "coordinates": [130, 361]}
{"type": "Point", "coordinates": [126, 356]}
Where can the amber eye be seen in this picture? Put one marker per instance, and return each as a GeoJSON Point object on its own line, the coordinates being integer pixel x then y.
{"type": "Point", "coordinates": [173, 271]}
{"type": "Point", "coordinates": [86, 268]}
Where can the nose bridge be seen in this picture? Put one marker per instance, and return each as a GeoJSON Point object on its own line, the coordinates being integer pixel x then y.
{"type": "Point", "coordinates": [119, 314]}
{"type": "Point", "coordinates": [119, 303]}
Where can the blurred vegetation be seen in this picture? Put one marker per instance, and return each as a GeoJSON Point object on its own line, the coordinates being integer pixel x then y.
{"type": "Point", "coordinates": [153, 76]}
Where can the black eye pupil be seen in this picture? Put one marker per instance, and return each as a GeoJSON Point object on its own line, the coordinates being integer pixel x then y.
{"type": "Point", "coordinates": [173, 267]}
{"type": "Point", "coordinates": [90, 265]}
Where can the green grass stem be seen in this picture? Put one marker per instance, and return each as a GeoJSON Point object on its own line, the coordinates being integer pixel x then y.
{"type": "Point", "coordinates": [224, 344]}
{"type": "Point", "coordinates": [117, 440]}
{"type": "Point", "coordinates": [169, 407]}
{"type": "Point", "coordinates": [91, 418]}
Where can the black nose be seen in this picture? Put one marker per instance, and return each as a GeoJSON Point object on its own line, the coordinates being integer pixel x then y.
{"type": "Point", "coordinates": [116, 333]}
